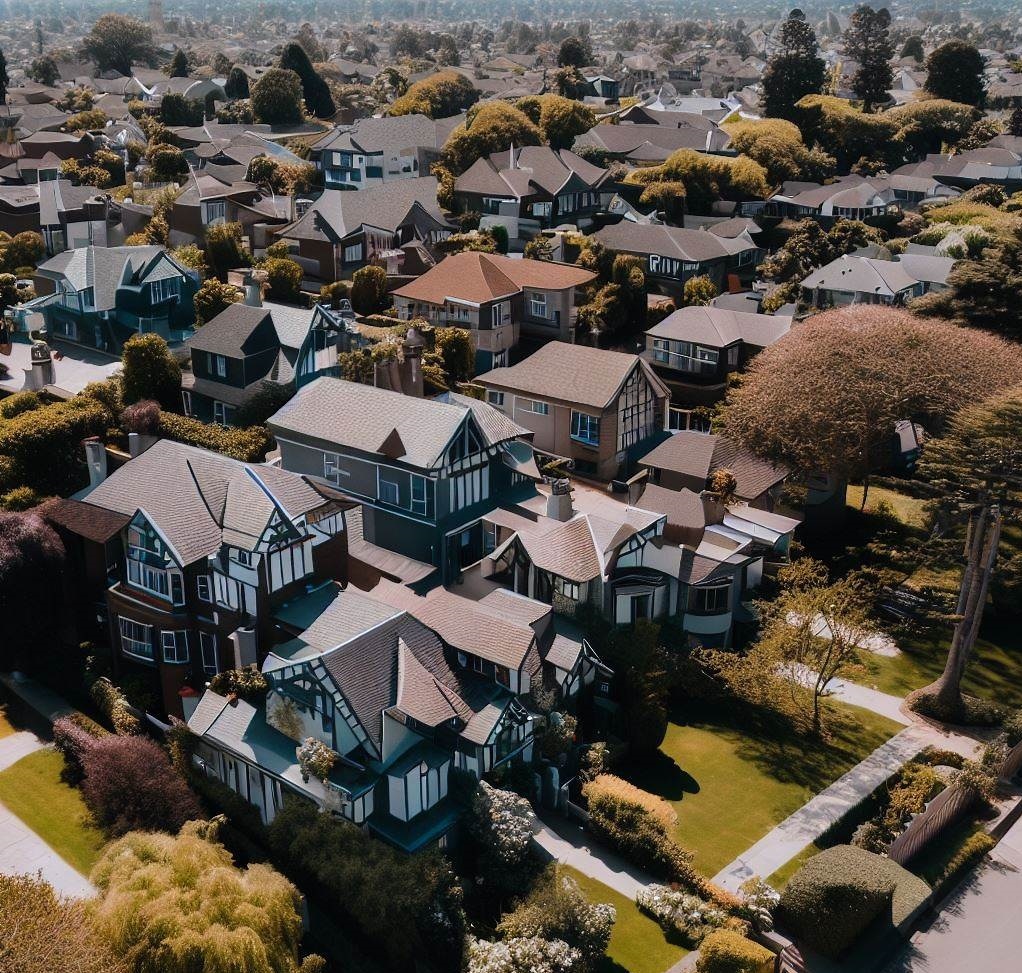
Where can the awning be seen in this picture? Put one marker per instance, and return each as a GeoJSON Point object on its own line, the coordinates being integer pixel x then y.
{"type": "Point", "coordinates": [520, 457]}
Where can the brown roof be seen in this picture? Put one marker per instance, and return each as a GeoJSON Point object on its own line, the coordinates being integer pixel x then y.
{"type": "Point", "coordinates": [85, 519]}
{"type": "Point", "coordinates": [686, 515]}
{"type": "Point", "coordinates": [534, 167]}
{"type": "Point", "coordinates": [577, 374]}
{"type": "Point", "coordinates": [480, 277]}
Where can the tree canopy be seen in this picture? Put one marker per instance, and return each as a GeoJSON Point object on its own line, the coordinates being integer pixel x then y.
{"type": "Point", "coordinates": [955, 71]}
{"type": "Point", "coordinates": [150, 371]}
{"type": "Point", "coordinates": [796, 70]}
{"type": "Point", "coordinates": [491, 128]}
{"type": "Point", "coordinates": [560, 120]}
{"type": "Point", "coordinates": [574, 52]}
{"type": "Point", "coordinates": [707, 178]}
{"type": "Point", "coordinates": [315, 90]}
{"type": "Point", "coordinates": [277, 97]}
{"type": "Point", "coordinates": [868, 41]}
{"type": "Point", "coordinates": [439, 96]}
{"type": "Point", "coordinates": [116, 42]}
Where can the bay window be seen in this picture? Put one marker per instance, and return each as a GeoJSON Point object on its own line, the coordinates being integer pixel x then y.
{"type": "Point", "coordinates": [136, 638]}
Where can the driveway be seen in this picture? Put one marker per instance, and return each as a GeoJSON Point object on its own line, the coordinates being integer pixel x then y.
{"type": "Point", "coordinates": [978, 928]}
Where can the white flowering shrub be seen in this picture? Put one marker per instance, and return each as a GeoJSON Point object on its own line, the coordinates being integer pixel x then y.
{"type": "Point", "coordinates": [532, 955]}
{"type": "Point", "coordinates": [504, 819]}
{"type": "Point", "coordinates": [680, 911]}
{"type": "Point", "coordinates": [760, 899]}
{"type": "Point", "coordinates": [315, 759]}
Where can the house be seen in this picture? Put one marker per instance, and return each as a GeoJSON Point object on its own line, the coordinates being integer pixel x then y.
{"type": "Point", "coordinates": [694, 349]}
{"type": "Point", "coordinates": [592, 407]}
{"type": "Point", "coordinates": [374, 151]}
{"type": "Point", "coordinates": [101, 296]}
{"type": "Point", "coordinates": [497, 299]}
{"type": "Point", "coordinates": [852, 279]}
{"type": "Point", "coordinates": [398, 705]}
{"type": "Point", "coordinates": [532, 188]}
{"type": "Point", "coordinates": [602, 86]}
{"type": "Point", "coordinates": [651, 144]}
{"type": "Point", "coordinates": [424, 469]}
{"type": "Point", "coordinates": [998, 163]}
{"type": "Point", "coordinates": [343, 231]}
{"type": "Point", "coordinates": [687, 461]}
{"type": "Point", "coordinates": [856, 197]}
{"type": "Point", "coordinates": [204, 547]}
{"type": "Point", "coordinates": [672, 255]}
{"type": "Point", "coordinates": [253, 349]}
{"type": "Point", "coordinates": [72, 216]}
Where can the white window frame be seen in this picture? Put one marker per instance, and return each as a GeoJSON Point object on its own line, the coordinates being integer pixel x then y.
{"type": "Point", "coordinates": [204, 588]}
{"type": "Point", "coordinates": [538, 304]}
{"type": "Point", "coordinates": [208, 650]}
{"type": "Point", "coordinates": [495, 398]}
{"type": "Point", "coordinates": [164, 289]}
{"type": "Point", "coordinates": [222, 413]}
{"type": "Point", "coordinates": [419, 504]}
{"type": "Point", "coordinates": [534, 406]}
{"type": "Point", "coordinates": [582, 425]}
{"type": "Point", "coordinates": [214, 211]}
{"type": "Point", "coordinates": [136, 638]}
{"type": "Point", "coordinates": [174, 647]}
{"type": "Point", "coordinates": [218, 365]}
{"type": "Point", "coordinates": [353, 253]}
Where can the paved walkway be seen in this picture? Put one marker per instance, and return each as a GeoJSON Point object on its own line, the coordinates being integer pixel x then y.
{"type": "Point", "coordinates": [871, 699]}
{"type": "Point", "coordinates": [810, 821]}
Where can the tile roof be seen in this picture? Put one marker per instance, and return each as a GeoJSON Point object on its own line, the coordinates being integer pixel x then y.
{"type": "Point", "coordinates": [481, 277]}
{"type": "Point", "coordinates": [578, 374]}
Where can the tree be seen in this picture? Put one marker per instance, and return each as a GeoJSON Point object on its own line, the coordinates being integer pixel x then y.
{"type": "Point", "coordinates": [46, 933]}
{"type": "Point", "coordinates": [176, 109]}
{"type": "Point", "coordinates": [4, 79]}
{"type": "Point", "coordinates": [777, 145]}
{"type": "Point", "coordinates": [237, 83]}
{"type": "Point", "coordinates": [977, 465]}
{"type": "Point", "coordinates": [25, 249]}
{"type": "Point", "coordinates": [439, 96]}
{"type": "Point", "coordinates": [116, 42]}
{"type": "Point", "coordinates": [178, 67]}
{"type": "Point", "coordinates": [796, 70]}
{"type": "Point", "coordinates": [809, 246]}
{"type": "Point", "coordinates": [913, 47]}
{"type": "Point", "coordinates": [179, 903]}
{"type": "Point", "coordinates": [277, 98]}
{"type": "Point", "coordinates": [955, 71]}
{"type": "Point", "coordinates": [284, 277]}
{"type": "Point", "coordinates": [32, 565]}
{"type": "Point", "coordinates": [315, 90]}
{"type": "Point", "coordinates": [927, 125]}
{"type": "Point", "coordinates": [368, 289]}
{"type": "Point", "coordinates": [44, 70]}
{"type": "Point", "coordinates": [560, 120]}
{"type": "Point", "coordinates": [492, 128]}
{"type": "Point", "coordinates": [150, 371]}
{"type": "Point", "coordinates": [501, 829]}
{"type": "Point", "coordinates": [698, 291]}
{"type": "Point", "coordinates": [224, 249]}
{"type": "Point", "coordinates": [1015, 122]}
{"type": "Point", "coordinates": [826, 397]}
{"type": "Point", "coordinates": [166, 162]}
{"type": "Point", "coordinates": [130, 785]}
{"type": "Point", "coordinates": [706, 178]}
{"type": "Point", "coordinates": [574, 52]}
{"type": "Point", "coordinates": [868, 41]}
{"type": "Point", "coordinates": [212, 298]}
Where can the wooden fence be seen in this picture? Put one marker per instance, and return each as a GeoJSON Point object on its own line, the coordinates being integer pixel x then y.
{"type": "Point", "coordinates": [1012, 763]}
{"type": "Point", "coordinates": [948, 807]}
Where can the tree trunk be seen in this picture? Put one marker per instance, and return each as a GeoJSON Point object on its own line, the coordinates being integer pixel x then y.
{"type": "Point", "coordinates": [865, 490]}
{"type": "Point", "coordinates": [985, 532]}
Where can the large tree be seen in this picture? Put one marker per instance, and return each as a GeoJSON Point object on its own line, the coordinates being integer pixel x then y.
{"type": "Point", "coordinates": [439, 96]}
{"type": "Point", "coordinates": [827, 396]}
{"type": "Point", "coordinates": [150, 371]}
{"type": "Point", "coordinates": [277, 97]}
{"type": "Point", "coordinates": [116, 42]}
{"type": "Point", "coordinates": [955, 71]}
{"type": "Point", "coordinates": [574, 52]}
{"type": "Point", "coordinates": [314, 89]}
{"type": "Point", "coordinates": [178, 67]}
{"type": "Point", "coordinates": [492, 128]}
{"type": "Point", "coordinates": [977, 465]}
{"type": "Point", "coordinates": [868, 41]}
{"type": "Point", "coordinates": [794, 71]}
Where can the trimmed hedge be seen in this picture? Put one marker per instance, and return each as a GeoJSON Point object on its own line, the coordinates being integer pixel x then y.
{"type": "Point", "coordinates": [724, 951]}
{"type": "Point", "coordinates": [969, 855]}
{"type": "Point", "coordinates": [829, 903]}
{"type": "Point", "coordinates": [250, 445]}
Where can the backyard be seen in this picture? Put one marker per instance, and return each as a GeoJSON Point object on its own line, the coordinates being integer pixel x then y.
{"type": "Point", "coordinates": [731, 782]}
{"type": "Point", "coordinates": [32, 789]}
{"type": "Point", "coordinates": [637, 944]}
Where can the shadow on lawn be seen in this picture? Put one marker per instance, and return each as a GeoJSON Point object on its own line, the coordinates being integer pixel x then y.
{"type": "Point", "coordinates": [661, 775]}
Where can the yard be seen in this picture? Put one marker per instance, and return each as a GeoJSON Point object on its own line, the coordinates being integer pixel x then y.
{"type": "Point", "coordinates": [637, 944]}
{"type": "Point", "coordinates": [5, 724]}
{"type": "Point", "coordinates": [730, 783]}
{"type": "Point", "coordinates": [32, 789]}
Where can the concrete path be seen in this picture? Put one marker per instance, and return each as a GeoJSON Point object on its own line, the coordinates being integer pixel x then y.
{"type": "Point", "coordinates": [810, 821]}
{"type": "Point", "coordinates": [871, 699]}
{"type": "Point", "coordinates": [45, 702]}
{"type": "Point", "coordinates": [569, 844]}
{"type": "Point", "coordinates": [16, 746]}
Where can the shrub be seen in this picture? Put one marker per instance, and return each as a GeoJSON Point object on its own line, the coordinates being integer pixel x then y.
{"type": "Point", "coordinates": [284, 277]}
{"type": "Point", "coordinates": [73, 737]}
{"type": "Point", "coordinates": [1013, 727]}
{"type": "Point", "coordinates": [21, 499]}
{"type": "Point", "coordinates": [15, 405]}
{"type": "Point", "coordinates": [972, 851]}
{"type": "Point", "coordinates": [130, 785]}
{"type": "Point", "coordinates": [249, 445]}
{"type": "Point", "coordinates": [247, 683]}
{"type": "Point", "coordinates": [368, 289]}
{"type": "Point", "coordinates": [681, 912]}
{"type": "Point", "coordinates": [532, 955]}
{"type": "Point", "coordinates": [607, 789]}
{"type": "Point", "coordinates": [142, 417]}
{"type": "Point", "coordinates": [150, 371]}
{"type": "Point", "coordinates": [723, 951]}
{"type": "Point", "coordinates": [111, 702]}
{"type": "Point", "coordinates": [501, 827]}
{"type": "Point", "coordinates": [315, 759]}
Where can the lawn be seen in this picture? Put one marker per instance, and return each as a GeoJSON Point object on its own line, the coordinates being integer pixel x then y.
{"type": "Point", "coordinates": [32, 789]}
{"type": "Point", "coordinates": [637, 944]}
{"type": "Point", "coordinates": [5, 724]}
{"type": "Point", "coordinates": [909, 510]}
{"type": "Point", "coordinates": [731, 783]}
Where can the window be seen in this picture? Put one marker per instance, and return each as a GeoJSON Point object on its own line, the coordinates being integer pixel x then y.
{"type": "Point", "coordinates": [531, 405]}
{"type": "Point", "coordinates": [156, 581]}
{"type": "Point", "coordinates": [498, 314]}
{"type": "Point", "coordinates": [177, 588]}
{"type": "Point", "coordinates": [477, 663]}
{"type": "Point", "coordinates": [218, 365]}
{"type": "Point", "coordinates": [537, 305]}
{"type": "Point", "coordinates": [495, 398]}
{"type": "Point", "coordinates": [569, 589]}
{"type": "Point", "coordinates": [223, 413]}
{"type": "Point", "coordinates": [469, 488]}
{"type": "Point", "coordinates": [353, 253]}
{"type": "Point", "coordinates": [175, 646]}
{"type": "Point", "coordinates": [243, 557]}
{"type": "Point", "coordinates": [732, 356]}
{"type": "Point", "coordinates": [489, 537]}
{"type": "Point", "coordinates": [203, 587]}
{"type": "Point", "coordinates": [686, 356]}
{"type": "Point", "coordinates": [388, 491]}
{"type": "Point", "coordinates": [710, 599]}
{"type": "Point", "coordinates": [585, 428]}
{"type": "Point", "coordinates": [419, 495]}
{"type": "Point", "coordinates": [503, 676]}
{"type": "Point", "coordinates": [331, 471]}
{"type": "Point", "coordinates": [491, 205]}
{"type": "Point", "coordinates": [136, 639]}
{"type": "Point", "coordinates": [164, 289]}
{"type": "Point", "coordinates": [186, 401]}
{"type": "Point", "coordinates": [462, 659]}
{"type": "Point", "coordinates": [215, 211]}
{"type": "Point", "coordinates": [288, 564]}
{"type": "Point", "coordinates": [207, 646]}
{"type": "Point", "coordinates": [541, 210]}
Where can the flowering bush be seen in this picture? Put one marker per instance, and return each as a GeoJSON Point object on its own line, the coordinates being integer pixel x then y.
{"type": "Point", "coordinates": [315, 759]}
{"type": "Point", "coordinates": [675, 910]}
{"type": "Point", "coordinates": [533, 955]}
{"type": "Point", "coordinates": [760, 899]}
{"type": "Point", "coordinates": [282, 714]}
{"type": "Point", "coordinates": [73, 737]}
{"type": "Point", "coordinates": [501, 828]}
{"type": "Point", "coordinates": [113, 704]}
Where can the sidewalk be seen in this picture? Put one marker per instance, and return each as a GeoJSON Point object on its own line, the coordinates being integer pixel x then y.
{"type": "Point", "coordinates": [810, 821]}
{"type": "Point", "coordinates": [856, 695]}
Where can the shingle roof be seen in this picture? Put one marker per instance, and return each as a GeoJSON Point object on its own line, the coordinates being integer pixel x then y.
{"type": "Point", "coordinates": [85, 519]}
{"type": "Point", "coordinates": [697, 246]}
{"type": "Point", "coordinates": [533, 167]}
{"type": "Point", "coordinates": [480, 277]}
{"type": "Point", "coordinates": [718, 327]}
{"type": "Point", "coordinates": [578, 374]}
{"type": "Point", "coordinates": [385, 134]}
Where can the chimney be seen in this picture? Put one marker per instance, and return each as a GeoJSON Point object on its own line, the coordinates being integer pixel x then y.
{"type": "Point", "coordinates": [411, 379]}
{"type": "Point", "coordinates": [42, 366]}
{"type": "Point", "coordinates": [95, 459]}
{"type": "Point", "coordinates": [134, 444]}
{"type": "Point", "coordinates": [255, 280]}
{"type": "Point", "coordinates": [558, 504]}
{"type": "Point", "coordinates": [244, 642]}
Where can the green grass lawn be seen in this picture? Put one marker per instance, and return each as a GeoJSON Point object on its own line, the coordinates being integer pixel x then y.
{"type": "Point", "coordinates": [32, 789]}
{"type": "Point", "coordinates": [909, 510]}
{"type": "Point", "coordinates": [637, 943]}
{"type": "Point", "coordinates": [731, 783]}
{"type": "Point", "coordinates": [5, 724]}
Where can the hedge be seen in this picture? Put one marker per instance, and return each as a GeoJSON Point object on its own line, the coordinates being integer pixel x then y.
{"type": "Point", "coordinates": [250, 445]}
{"type": "Point", "coordinates": [971, 852]}
{"type": "Point", "coordinates": [724, 951]}
{"type": "Point", "coordinates": [829, 903]}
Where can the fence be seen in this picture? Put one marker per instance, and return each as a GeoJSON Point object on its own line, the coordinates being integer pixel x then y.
{"type": "Point", "coordinates": [943, 811]}
{"type": "Point", "coordinates": [1012, 763]}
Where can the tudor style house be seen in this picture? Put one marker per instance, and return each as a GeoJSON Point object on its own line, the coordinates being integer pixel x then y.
{"type": "Point", "coordinates": [595, 408]}
{"type": "Point", "coordinates": [253, 348]}
{"type": "Point", "coordinates": [374, 151]}
{"type": "Point", "coordinates": [694, 349]}
{"type": "Point", "coordinates": [424, 469]}
{"type": "Point", "coordinates": [532, 188]}
{"type": "Point", "coordinates": [101, 296]}
{"type": "Point", "coordinates": [207, 547]}
{"type": "Point", "coordinates": [496, 298]}
{"type": "Point", "coordinates": [855, 279]}
{"type": "Point", "coordinates": [343, 231]}
{"type": "Point", "coordinates": [672, 255]}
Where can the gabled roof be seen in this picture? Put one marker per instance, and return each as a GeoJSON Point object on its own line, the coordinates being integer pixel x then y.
{"type": "Point", "coordinates": [385, 134]}
{"type": "Point", "coordinates": [476, 278]}
{"type": "Point", "coordinates": [200, 500]}
{"type": "Point", "coordinates": [364, 418]}
{"type": "Point", "coordinates": [578, 374]}
{"type": "Point", "coordinates": [718, 327]}
{"type": "Point", "coordinates": [862, 274]}
{"type": "Point", "coordinates": [696, 246]}
{"type": "Point", "coordinates": [521, 172]}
